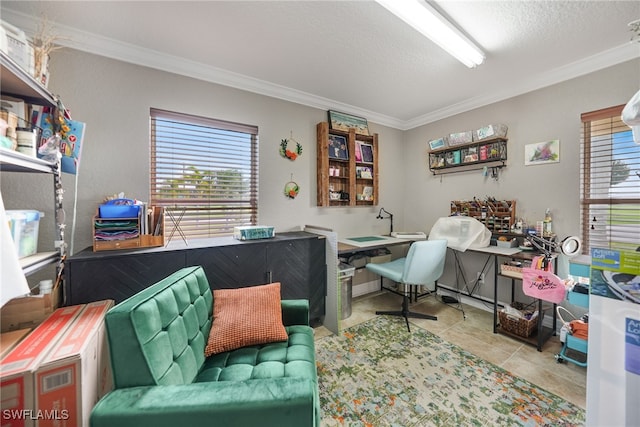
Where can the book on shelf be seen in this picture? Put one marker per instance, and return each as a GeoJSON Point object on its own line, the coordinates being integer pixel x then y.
{"type": "Point", "coordinates": [367, 192]}
{"type": "Point", "coordinates": [157, 230]}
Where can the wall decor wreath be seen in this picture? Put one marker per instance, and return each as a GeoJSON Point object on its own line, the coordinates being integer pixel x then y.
{"type": "Point", "coordinates": [291, 190]}
{"type": "Point", "coordinates": [286, 152]}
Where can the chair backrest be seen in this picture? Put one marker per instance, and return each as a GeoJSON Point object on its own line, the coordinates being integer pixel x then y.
{"type": "Point", "coordinates": [424, 263]}
{"type": "Point", "coordinates": [157, 336]}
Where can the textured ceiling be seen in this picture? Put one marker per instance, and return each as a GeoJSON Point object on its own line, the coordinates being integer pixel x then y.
{"type": "Point", "coordinates": [352, 56]}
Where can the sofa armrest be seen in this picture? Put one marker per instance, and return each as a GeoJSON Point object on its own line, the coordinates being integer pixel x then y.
{"type": "Point", "coordinates": [278, 402]}
{"type": "Point", "coordinates": [295, 312]}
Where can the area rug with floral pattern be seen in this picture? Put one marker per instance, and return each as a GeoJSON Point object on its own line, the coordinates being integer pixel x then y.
{"type": "Point", "coordinates": [379, 374]}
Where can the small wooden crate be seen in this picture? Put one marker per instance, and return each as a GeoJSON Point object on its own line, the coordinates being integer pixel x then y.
{"type": "Point", "coordinates": [519, 326]}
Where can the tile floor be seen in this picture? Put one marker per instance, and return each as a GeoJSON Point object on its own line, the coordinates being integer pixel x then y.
{"type": "Point", "coordinates": [475, 334]}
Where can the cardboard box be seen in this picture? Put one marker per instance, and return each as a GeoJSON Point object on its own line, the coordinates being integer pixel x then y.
{"type": "Point", "coordinates": [17, 368]}
{"type": "Point", "coordinates": [8, 340]}
{"type": "Point", "coordinates": [29, 311]}
{"type": "Point", "coordinates": [379, 259]}
{"type": "Point", "coordinates": [77, 372]}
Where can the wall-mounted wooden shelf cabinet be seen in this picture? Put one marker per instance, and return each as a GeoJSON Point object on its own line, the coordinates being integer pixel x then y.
{"type": "Point", "coordinates": [347, 170]}
{"type": "Point", "coordinates": [476, 155]}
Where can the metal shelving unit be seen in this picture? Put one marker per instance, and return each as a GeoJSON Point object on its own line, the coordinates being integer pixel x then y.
{"type": "Point", "coordinates": [17, 83]}
{"type": "Point", "coordinates": [543, 333]}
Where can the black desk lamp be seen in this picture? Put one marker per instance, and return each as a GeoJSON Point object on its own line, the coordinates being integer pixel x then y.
{"type": "Point", "coordinates": [569, 246]}
{"type": "Point", "coordinates": [382, 210]}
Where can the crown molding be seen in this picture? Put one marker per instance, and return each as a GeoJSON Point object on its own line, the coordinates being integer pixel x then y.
{"type": "Point", "coordinates": [110, 48]}
{"type": "Point", "coordinates": [609, 58]}
{"type": "Point", "coordinates": [126, 52]}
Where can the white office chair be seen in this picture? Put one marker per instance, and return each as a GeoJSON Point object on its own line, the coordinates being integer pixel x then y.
{"type": "Point", "coordinates": [423, 265]}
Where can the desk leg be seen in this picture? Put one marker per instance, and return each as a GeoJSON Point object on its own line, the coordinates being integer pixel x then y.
{"type": "Point", "coordinates": [495, 293]}
{"type": "Point", "coordinates": [541, 339]}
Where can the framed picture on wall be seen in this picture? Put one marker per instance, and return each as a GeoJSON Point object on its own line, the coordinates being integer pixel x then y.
{"type": "Point", "coordinates": [344, 122]}
{"type": "Point", "coordinates": [338, 147]}
{"type": "Point", "coordinates": [542, 152]}
{"type": "Point", "coordinates": [366, 150]}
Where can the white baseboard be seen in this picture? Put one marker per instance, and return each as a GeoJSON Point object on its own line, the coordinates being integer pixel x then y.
{"type": "Point", "coordinates": [485, 304]}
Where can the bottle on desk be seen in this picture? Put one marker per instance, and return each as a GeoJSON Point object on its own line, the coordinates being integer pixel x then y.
{"type": "Point", "coordinates": [547, 226]}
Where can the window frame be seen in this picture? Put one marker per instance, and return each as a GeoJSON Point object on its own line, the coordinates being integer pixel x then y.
{"type": "Point", "coordinates": [190, 216]}
{"type": "Point", "coordinates": [594, 161]}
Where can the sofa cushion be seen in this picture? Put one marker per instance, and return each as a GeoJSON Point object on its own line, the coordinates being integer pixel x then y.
{"type": "Point", "coordinates": [245, 317]}
{"type": "Point", "coordinates": [292, 358]}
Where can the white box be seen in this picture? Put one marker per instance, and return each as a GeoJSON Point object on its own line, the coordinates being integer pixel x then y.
{"type": "Point", "coordinates": [77, 372]}
{"type": "Point", "coordinates": [18, 367]}
{"type": "Point", "coordinates": [17, 46]}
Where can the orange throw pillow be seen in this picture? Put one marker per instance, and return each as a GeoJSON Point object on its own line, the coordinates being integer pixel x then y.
{"type": "Point", "coordinates": [244, 317]}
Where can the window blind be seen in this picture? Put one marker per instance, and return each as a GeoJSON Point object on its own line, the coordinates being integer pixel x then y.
{"type": "Point", "coordinates": [610, 182]}
{"type": "Point", "coordinates": [204, 173]}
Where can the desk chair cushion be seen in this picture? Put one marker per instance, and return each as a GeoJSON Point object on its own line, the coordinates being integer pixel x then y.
{"type": "Point", "coordinates": [425, 262]}
{"type": "Point", "coordinates": [392, 270]}
{"type": "Point", "coordinates": [423, 265]}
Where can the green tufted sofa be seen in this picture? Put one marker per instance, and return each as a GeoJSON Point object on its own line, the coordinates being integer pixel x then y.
{"type": "Point", "coordinates": [162, 378]}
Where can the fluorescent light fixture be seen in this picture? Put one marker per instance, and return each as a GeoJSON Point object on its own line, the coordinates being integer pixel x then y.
{"type": "Point", "coordinates": [424, 18]}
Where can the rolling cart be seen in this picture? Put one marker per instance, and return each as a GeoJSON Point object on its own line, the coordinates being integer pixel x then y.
{"type": "Point", "coordinates": [573, 344]}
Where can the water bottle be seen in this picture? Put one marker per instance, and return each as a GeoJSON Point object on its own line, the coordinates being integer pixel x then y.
{"type": "Point", "coordinates": [547, 229]}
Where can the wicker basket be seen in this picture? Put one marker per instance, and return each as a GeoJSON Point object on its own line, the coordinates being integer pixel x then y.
{"type": "Point", "coordinates": [519, 326]}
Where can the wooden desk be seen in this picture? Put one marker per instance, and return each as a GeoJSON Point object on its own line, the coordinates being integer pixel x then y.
{"type": "Point", "coordinates": [492, 252]}
{"type": "Point", "coordinates": [351, 245]}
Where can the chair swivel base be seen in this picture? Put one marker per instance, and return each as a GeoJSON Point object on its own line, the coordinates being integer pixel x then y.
{"type": "Point", "coordinates": [406, 313]}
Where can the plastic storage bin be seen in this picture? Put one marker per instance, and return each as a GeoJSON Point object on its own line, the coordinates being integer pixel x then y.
{"type": "Point", "coordinates": [252, 232]}
{"type": "Point", "coordinates": [119, 208]}
{"type": "Point", "coordinates": [24, 226]}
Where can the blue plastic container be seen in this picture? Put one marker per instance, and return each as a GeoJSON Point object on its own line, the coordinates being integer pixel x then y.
{"type": "Point", "coordinates": [119, 208]}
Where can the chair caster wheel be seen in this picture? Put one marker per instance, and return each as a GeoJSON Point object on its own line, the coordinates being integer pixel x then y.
{"type": "Point", "coordinates": [559, 359]}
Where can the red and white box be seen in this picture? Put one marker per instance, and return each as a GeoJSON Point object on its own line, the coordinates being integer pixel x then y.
{"type": "Point", "coordinates": [18, 367]}
{"type": "Point", "coordinates": [77, 371]}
